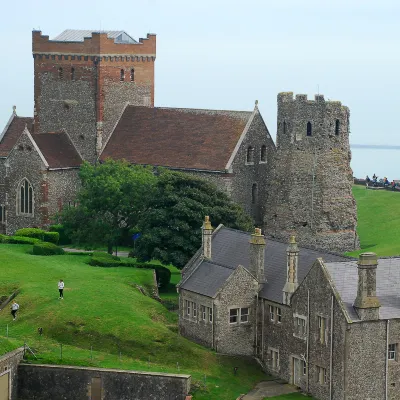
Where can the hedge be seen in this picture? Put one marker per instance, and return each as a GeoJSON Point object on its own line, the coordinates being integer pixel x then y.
{"type": "Point", "coordinates": [30, 232]}
{"type": "Point", "coordinates": [18, 240]}
{"type": "Point", "coordinates": [46, 249]}
{"type": "Point", "coordinates": [100, 259]}
{"type": "Point", "coordinates": [52, 237]}
{"type": "Point", "coordinates": [64, 239]}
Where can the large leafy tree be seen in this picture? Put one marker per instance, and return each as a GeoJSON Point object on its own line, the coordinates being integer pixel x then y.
{"type": "Point", "coordinates": [113, 199]}
{"type": "Point", "coordinates": [171, 225]}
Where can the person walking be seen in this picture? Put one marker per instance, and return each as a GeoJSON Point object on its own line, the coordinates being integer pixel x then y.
{"type": "Point", "coordinates": [14, 309]}
{"type": "Point", "coordinates": [61, 289]}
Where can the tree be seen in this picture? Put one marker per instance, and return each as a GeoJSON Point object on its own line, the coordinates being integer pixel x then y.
{"type": "Point", "coordinates": [113, 197]}
{"type": "Point", "coordinates": [171, 226]}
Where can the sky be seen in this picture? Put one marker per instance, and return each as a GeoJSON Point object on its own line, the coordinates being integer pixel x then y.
{"type": "Point", "coordinates": [225, 54]}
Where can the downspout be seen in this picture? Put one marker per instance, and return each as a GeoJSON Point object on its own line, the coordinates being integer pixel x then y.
{"type": "Point", "coordinates": [262, 328]}
{"type": "Point", "coordinates": [386, 360]}
{"type": "Point", "coordinates": [212, 325]}
{"type": "Point", "coordinates": [308, 341]}
{"type": "Point", "coordinates": [331, 357]}
{"type": "Point", "coordinates": [256, 325]}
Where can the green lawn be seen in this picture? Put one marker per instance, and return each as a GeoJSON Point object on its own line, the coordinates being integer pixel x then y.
{"type": "Point", "coordinates": [103, 310]}
{"type": "Point", "coordinates": [378, 221]}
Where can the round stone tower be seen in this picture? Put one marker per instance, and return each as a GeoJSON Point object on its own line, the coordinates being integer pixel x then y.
{"type": "Point", "coordinates": [310, 190]}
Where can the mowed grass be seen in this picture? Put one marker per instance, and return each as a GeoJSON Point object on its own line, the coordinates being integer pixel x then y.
{"type": "Point", "coordinates": [104, 311]}
{"type": "Point", "coordinates": [378, 221]}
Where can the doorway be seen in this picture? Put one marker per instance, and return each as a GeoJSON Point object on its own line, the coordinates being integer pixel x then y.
{"type": "Point", "coordinates": [296, 373]}
{"type": "Point", "coordinates": [5, 386]}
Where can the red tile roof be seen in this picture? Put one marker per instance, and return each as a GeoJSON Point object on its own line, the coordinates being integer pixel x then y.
{"type": "Point", "coordinates": [13, 132]}
{"type": "Point", "coordinates": [57, 149]}
{"type": "Point", "coordinates": [177, 138]}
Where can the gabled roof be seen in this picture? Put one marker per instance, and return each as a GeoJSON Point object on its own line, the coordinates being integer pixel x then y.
{"type": "Point", "coordinates": [57, 149]}
{"type": "Point", "coordinates": [176, 137]}
{"type": "Point", "coordinates": [230, 248]}
{"type": "Point", "coordinates": [345, 277]}
{"type": "Point", "coordinates": [78, 35]}
{"type": "Point", "coordinates": [12, 132]}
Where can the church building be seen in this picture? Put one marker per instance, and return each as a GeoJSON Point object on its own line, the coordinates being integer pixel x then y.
{"type": "Point", "coordinates": [94, 99]}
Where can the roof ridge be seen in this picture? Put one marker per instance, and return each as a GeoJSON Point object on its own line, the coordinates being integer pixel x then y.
{"type": "Point", "coordinates": [192, 109]}
{"type": "Point", "coordinates": [210, 261]}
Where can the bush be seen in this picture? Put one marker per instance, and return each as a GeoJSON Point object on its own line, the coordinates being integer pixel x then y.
{"type": "Point", "coordinates": [52, 237]}
{"type": "Point", "coordinates": [47, 249]}
{"type": "Point", "coordinates": [3, 238]}
{"type": "Point", "coordinates": [31, 232]}
{"type": "Point", "coordinates": [21, 240]}
{"type": "Point", "coordinates": [64, 239]}
{"type": "Point", "coordinates": [101, 259]}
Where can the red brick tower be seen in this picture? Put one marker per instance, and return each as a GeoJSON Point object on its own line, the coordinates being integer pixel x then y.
{"type": "Point", "coordinates": [83, 80]}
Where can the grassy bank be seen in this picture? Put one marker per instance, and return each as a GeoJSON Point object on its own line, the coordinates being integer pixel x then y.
{"type": "Point", "coordinates": [104, 311]}
{"type": "Point", "coordinates": [378, 221]}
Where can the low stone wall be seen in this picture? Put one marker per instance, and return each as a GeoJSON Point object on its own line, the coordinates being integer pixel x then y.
{"type": "Point", "coordinates": [9, 366]}
{"type": "Point", "coordinates": [44, 382]}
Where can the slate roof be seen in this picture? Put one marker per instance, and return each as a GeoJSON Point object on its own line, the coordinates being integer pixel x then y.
{"type": "Point", "coordinates": [345, 278]}
{"type": "Point", "coordinates": [230, 247]}
{"type": "Point", "coordinates": [13, 132]}
{"type": "Point", "coordinates": [58, 149]}
{"type": "Point", "coordinates": [78, 35]}
{"type": "Point", "coordinates": [176, 137]}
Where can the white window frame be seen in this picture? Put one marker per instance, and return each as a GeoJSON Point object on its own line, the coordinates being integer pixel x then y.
{"type": "Point", "coordinates": [236, 315]}
{"type": "Point", "coordinates": [210, 314]}
{"type": "Point", "coordinates": [203, 312]}
{"type": "Point", "coordinates": [392, 352]}
{"type": "Point", "coordinates": [188, 307]}
{"type": "Point", "coordinates": [304, 367]}
{"type": "Point", "coordinates": [300, 326]}
{"type": "Point", "coordinates": [244, 314]}
{"type": "Point", "coordinates": [322, 376]}
{"type": "Point", "coordinates": [271, 313]}
{"type": "Point", "coordinates": [194, 309]}
{"type": "Point", "coordinates": [31, 192]}
{"type": "Point", "coordinates": [274, 358]}
{"type": "Point", "coordinates": [322, 329]}
{"type": "Point", "coordinates": [278, 315]}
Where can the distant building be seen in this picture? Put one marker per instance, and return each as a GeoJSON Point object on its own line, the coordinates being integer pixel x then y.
{"type": "Point", "coordinates": [94, 99]}
{"type": "Point", "coordinates": [325, 323]}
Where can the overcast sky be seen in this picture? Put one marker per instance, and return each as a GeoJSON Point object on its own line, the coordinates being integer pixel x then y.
{"type": "Point", "coordinates": [225, 54]}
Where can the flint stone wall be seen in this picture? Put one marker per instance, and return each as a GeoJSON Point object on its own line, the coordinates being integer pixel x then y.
{"type": "Point", "coordinates": [43, 382]}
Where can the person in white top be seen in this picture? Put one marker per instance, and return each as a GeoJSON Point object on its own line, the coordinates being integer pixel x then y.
{"type": "Point", "coordinates": [61, 289]}
{"type": "Point", "coordinates": [14, 309]}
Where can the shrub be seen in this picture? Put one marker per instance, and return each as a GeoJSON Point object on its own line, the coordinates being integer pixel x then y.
{"type": "Point", "coordinates": [52, 237]}
{"type": "Point", "coordinates": [64, 239]}
{"type": "Point", "coordinates": [30, 232]}
{"type": "Point", "coordinates": [163, 274]}
{"type": "Point", "coordinates": [21, 240]}
{"type": "Point", "coordinates": [3, 238]}
{"type": "Point", "coordinates": [47, 249]}
{"type": "Point", "coordinates": [101, 259]}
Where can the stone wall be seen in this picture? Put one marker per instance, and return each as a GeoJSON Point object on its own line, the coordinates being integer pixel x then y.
{"type": "Point", "coordinates": [195, 328]}
{"type": "Point", "coordinates": [9, 365]}
{"type": "Point", "coordinates": [25, 162]}
{"type": "Point", "coordinates": [239, 291]}
{"type": "Point", "coordinates": [310, 191]}
{"type": "Point", "coordinates": [43, 382]}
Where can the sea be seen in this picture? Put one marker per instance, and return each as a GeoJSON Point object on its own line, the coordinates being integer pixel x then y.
{"type": "Point", "coordinates": [370, 160]}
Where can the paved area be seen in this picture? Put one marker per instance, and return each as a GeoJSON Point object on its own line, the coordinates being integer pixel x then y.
{"type": "Point", "coordinates": [70, 250]}
{"type": "Point", "coordinates": [269, 389]}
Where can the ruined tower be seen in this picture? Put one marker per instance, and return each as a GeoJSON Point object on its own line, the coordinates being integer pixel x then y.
{"type": "Point", "coordinates": [310, 190]}
{"type": "Point", "coordinates": [83, 80]}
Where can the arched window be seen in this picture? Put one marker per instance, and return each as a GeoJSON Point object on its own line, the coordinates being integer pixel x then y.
{"type": "Point", "coordinates": [25, 198]}
{"type": "Point", "coordinates": [337, 127]}
{"type": "Point", "coordinates": [309, 129]}
{"type": "Point", "coordinates": [263, 155]}
{"type": "Point", "coordinates": [60, 73]}
{"type": "Point", "coordinates": [122, 75]}
{"type": "Point", "coordinates": [250, 154]}
{"type": "Point", "coordinates": [72, 74]}
{"type": "Point", "coordinates": [254, 193]}
{"type": "Point", "coordinates": [284, 127]}
{"type": "Point", "coordinates": [132, 75]}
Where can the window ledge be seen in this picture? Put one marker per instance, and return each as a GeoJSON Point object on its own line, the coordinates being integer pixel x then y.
{"type": "Point", "coordinates": [300, 337]}
{"type": "Point", "coordinates": [249, 163]}
{"type": "Point", "coordinates": [263, 162]}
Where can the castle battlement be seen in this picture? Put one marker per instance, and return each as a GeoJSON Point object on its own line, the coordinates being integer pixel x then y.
{"type": "Point", "coordinates": [289, 97]}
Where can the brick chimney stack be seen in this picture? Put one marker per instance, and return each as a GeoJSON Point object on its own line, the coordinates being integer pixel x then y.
{"type": "Point", "coordinates": [292, 255]}
{"type": "Point", "coordinates": [207, 235]}
{"type": "Point", "coordinates": [366, 303]}
{"type": "Point", "coordinates": [257, 249]}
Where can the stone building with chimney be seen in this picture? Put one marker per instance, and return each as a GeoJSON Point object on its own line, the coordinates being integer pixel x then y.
{"type": "Point", "coordinates": [94, 99]}
{"type": "Point", "coordinates": [323, 322]}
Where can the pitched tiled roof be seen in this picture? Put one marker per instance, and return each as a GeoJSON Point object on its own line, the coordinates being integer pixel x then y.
{"type": "Point", "coordinates": [13, 132]}
{"type": "Point", "coordinates": [345, 278]}
{"type": "Point", "coordinates": [231, 248]}
{"type": "Point", "coordinates": [176, 137]}
{"type": "Point", "coordinates": [58, 149]}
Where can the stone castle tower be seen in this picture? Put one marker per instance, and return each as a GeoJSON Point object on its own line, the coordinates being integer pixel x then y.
{"type": "Point", "coordinates": [310, 190]}
{"type": "Point", "coordinates": [83, 80]}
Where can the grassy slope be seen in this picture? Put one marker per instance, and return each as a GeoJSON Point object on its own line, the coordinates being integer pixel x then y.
{"type": "Point", "coordinates": [102, 309]}
{"type": "Point", "coordinates": [378, 221]}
